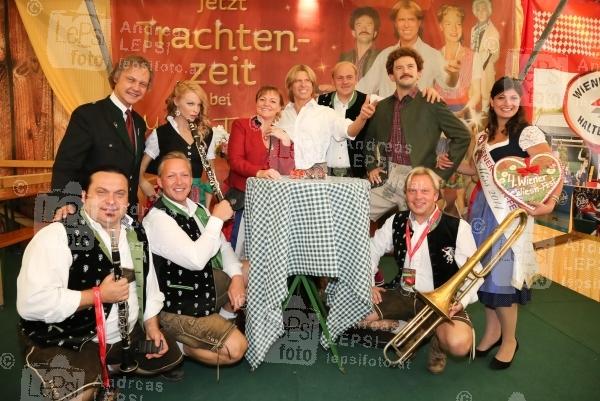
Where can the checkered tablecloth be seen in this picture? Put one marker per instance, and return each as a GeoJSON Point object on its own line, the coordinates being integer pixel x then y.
{"type": "Point", "coordinates": [313, 227]}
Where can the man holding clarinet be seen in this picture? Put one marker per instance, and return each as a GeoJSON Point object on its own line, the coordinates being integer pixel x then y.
{"type": "Point", "coordinates": [79, 304]}
{"type": "Point", "coordinates": [203, 280]}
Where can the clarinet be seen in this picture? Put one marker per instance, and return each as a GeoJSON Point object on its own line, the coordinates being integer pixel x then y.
{"type": "Point", "coordinates": [212, 178]}
{"type": "Point", "coordinates": [128, 363]}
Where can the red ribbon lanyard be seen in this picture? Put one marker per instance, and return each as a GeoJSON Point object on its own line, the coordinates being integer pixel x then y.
{"type": "Point", "coordinates": [101, 333]}
{"type": "Point", "coordinates": [409, 249]}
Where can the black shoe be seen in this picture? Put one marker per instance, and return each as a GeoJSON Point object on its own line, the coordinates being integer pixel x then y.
{"type": "Point", "coordinates": [174, 375]}
{"type": "Point", "coordinates": [495, 364]}
{"type": "Point", "coordinates": [482, 353]}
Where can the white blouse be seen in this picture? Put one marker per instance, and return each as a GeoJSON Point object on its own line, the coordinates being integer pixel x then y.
{"type": "Point", "coordinates": [153, 150]}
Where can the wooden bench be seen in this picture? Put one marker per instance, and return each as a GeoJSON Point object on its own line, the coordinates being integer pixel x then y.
{"type": "Point", "coordinates": [16, 187]}
{"type": "Point", "coordinates": [15, 236]}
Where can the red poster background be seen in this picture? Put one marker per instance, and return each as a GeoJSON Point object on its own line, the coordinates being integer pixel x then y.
{"type": "Point", "coordinates": [323, 23]}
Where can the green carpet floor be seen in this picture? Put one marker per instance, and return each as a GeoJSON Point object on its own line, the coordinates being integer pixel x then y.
{"type": "Point", "coordinates": [558, 359]}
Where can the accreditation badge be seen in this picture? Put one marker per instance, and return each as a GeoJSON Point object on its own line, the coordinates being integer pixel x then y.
{"type": "Point", "coordinates": [408, 279]}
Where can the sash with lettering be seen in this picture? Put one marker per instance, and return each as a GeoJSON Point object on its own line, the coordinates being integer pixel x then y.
{"type": "Point", "coordinates": [525, 264]}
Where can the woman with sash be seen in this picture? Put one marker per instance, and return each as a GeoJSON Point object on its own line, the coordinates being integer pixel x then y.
{"type": "Point", "coordinates": [509, 284]}
{"type": "Point", "coordinates": [256, 149]}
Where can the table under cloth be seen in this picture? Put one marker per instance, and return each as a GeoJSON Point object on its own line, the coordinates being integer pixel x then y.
{"type": "Point", "coordinates": [311, 227]}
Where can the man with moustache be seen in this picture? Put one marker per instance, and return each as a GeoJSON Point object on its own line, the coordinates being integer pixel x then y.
{"type": "Point", "coordinates": [404, 132]}
{"type": "Point", "coordinates": [66, 286]}
{"type": "Point", "coordinates": [407, 17]}
{"type": "Point", "coordinates": [106, 131]}
{"type": "Point", "coordinates": [197, 268]}
{"type": "Point", "coordinates": [364, 23]}
{"type": "Point", "coordinates": [345, 158]}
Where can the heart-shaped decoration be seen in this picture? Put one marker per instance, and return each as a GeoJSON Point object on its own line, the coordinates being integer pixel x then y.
{"type": "Point", "coordinates": [528, 180]}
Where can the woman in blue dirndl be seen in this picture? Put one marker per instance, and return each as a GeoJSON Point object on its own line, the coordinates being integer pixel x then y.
{"type": "Point", "coordinates": [509, 284]}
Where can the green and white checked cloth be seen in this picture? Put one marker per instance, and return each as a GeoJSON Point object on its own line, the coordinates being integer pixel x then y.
{"type": "Point", "coordinates": [313, 227]}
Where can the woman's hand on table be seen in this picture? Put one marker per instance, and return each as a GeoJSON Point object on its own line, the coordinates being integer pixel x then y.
{"type": "Point", "coordinates": [270, 174]}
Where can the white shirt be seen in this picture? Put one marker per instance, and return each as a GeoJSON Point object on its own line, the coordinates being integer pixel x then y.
{"type": "Point", "coordinates": [120, 105]}
{"type": "Point", "coordinates": [378, 81]}
{"type": "Point", "coordinates": [337, 153]}
{"type": "Point", "coordinates": [153, 150]}
{"type": "Point", "coordinates": [42, 293]}
{"type": "Point", "coordinates": [382, 243]}
{"type": "Point", "coordinates": [311, 130]}
{"type": "Point", "coordinates": [168, 240]}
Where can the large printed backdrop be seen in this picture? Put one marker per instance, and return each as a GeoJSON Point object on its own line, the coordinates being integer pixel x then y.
{"type": "Point", "coordinates": [572, 47]}
{"type": "Point", "coordinates": [232, 47]}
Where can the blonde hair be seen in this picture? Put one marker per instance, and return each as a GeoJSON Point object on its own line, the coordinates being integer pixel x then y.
{"type": "Point", "coordinates": [131, 61]}
{"type": "Point", "coordinates": [445, 9]}
{"type": "Point", "coordinates": [406, 5]}
{"type": "Point", "coordinates": [291, 77]}
{"type": "Point", "coordinates": [174, 155]}
{"type": "Point", "coordinates": [181, 88]}
{"type": "Point", "coordinates": [435, 179]}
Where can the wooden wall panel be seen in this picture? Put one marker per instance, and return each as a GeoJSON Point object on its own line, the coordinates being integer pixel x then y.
{"type": "Point", "coordinates": [5, 111]}
{"type": "Point", "coordinates": [32, 97]}
{"type": "Point", "coordinates": [572, 263]}
{"type": "Point", "coordinates": [60, 119]}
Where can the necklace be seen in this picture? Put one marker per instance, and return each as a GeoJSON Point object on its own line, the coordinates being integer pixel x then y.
{"type": "Point", "coordinates": [458, 49]}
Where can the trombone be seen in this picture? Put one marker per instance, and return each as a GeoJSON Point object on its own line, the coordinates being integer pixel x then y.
{"type": "Point", "coordinates": [440, 300]}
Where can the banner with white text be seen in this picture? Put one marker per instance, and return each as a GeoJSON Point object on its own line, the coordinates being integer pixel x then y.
{"type": "Point", "coordinates": [232, 47]}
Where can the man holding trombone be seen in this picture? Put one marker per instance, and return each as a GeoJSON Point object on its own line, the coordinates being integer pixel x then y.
{"type": "Point", "coordinates": [429, 248]}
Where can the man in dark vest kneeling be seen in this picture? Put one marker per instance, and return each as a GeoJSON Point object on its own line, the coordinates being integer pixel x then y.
{"type": "Point", "coordinates": [197, 268]}
{"type": "Point", "coordinates": [429, 246]}
{"type": "Point", "coordinates": [73, 309]}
